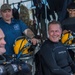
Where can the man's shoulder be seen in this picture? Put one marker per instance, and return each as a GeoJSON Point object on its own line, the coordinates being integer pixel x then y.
{"type": "Point", "coordinates": [47, 45]}
{"type": "Point", "coordinates": [46, 42]}
{"type": "Point", "coordinates": [69, 21]}
{"type": "Point", "coordinates": [19, 21]}
{"type": "Point", "coordinates": [65, 21]}
{"type": "Point", "coordinates": [15, 20]}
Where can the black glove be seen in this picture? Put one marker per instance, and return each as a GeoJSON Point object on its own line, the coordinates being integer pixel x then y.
{"type": "Point", "coordinates": [22, 66]}
{"type": "Point", "coordinates": [2, 59]}
{"type": "Point", "coordinates": [25, 67]}
{"type": "Point", "coordinates": [11, 69]}
{"type": "Point", "coordinates": [2, 70]}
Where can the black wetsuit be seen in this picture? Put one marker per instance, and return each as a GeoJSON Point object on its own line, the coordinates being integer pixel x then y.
{"type": "Point", "coordinates": [69, 24]}
{"type": "Point", "coordinates": [55, 59]}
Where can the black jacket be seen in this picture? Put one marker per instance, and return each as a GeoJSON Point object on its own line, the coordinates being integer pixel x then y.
{"type": "Point", "coordinates": [54, 59]}
{"type": "Point", "coordinates": [69, 24]}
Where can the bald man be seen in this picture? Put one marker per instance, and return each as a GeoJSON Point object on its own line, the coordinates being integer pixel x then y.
{"type": "Point", "coordinates": [2, 43]}
{"type": "Point", "coordinates": [8, 68]}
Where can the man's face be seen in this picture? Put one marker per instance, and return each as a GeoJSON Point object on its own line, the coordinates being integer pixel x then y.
{"type": "Point", "coordinates": [54, 32]}
{"type": "Point", "coordinates": [6, 15]}
{"type": "Point", "coordinates": [2, 43]}
{"type": "Point", "coordinates": [71, 12]}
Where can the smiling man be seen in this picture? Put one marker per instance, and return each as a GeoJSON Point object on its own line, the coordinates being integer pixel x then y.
{"type": "Point", "coordinates": [54, 32]}
{"type": "Point", "coordinates": [2, 43]}
{"type": "Point", "coordinates": [54, 57]}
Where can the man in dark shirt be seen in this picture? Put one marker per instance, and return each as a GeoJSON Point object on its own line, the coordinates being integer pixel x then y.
{"type": "Point", "coordinates": [69, 23]}
{"type": "Point", "coordinates": [54, 57]}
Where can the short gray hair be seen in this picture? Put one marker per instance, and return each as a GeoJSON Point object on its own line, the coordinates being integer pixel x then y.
{"type": "Point", "coordinates": [54, 22]}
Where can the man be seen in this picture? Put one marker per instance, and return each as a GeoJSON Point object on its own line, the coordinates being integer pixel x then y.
{"type": "Point", "coordinates": [2, 51]}
{"type": "Point", "coordinates": [13, 28]}
{"type": "Point", "coordinates": [69, 23]}
{"type": "Point", "coordinates": [2, 43]}
{"type": "Point", "coordinates": [8, 68]}
{"type": "Point", "coordinates": [54, 57]}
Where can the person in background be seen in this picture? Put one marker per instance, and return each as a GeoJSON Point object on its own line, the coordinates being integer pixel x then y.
{"type": "Point", "coordinates": [69, 23]}
{"type": "Point", "coordinates": [54, 57]}
{"type": "Point", "coordinates": [13, 28]}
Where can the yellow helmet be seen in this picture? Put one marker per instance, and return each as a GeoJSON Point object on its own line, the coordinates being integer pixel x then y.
{"type": "Point", "coordinates": [67, 38]}
{"type": "Point", "coordinates": [20, 44]}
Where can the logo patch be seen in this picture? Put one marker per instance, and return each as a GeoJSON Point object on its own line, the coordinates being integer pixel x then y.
{"type": "Point", "coordinates": [16, 27]}
{"type": "Point", "coordinates": [61, 52]}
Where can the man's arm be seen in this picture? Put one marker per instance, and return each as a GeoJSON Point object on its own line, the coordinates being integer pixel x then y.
{"type": "Point", "coordinates": [29, 33]}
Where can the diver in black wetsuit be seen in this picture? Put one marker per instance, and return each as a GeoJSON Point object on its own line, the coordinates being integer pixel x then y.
{"type": "Point", "coordinates": [54, 57]}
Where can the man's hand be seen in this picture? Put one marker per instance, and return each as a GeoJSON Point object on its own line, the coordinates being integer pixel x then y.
{"type": "Point", "coordinates": [34, 41]}
{"type": "Point", "coordinates": [66, 31]}
{"type": "Point", "coordinates": [11, 69]}
{"type": "Point", "coordinates": [31, 35]}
